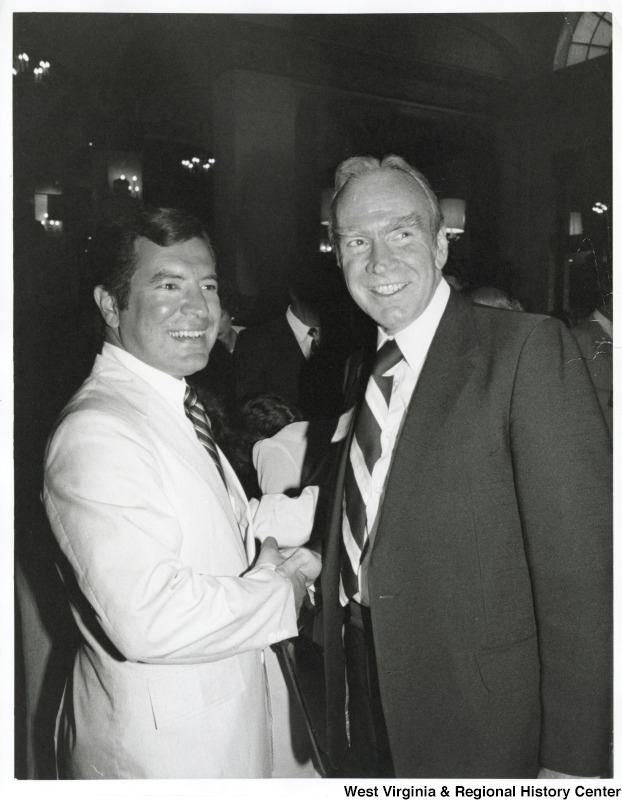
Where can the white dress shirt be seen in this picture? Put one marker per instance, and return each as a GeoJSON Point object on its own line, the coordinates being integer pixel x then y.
{"type": "Point", "coordinates": [414, 343]}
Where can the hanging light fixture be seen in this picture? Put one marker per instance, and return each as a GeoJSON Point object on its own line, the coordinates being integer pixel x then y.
{"type": "Point", "coordinates": [195, 164]}
{"type": "Point", "coordinates": [454, 216]}
{"type": "Point", "coordinates": [21, 65]}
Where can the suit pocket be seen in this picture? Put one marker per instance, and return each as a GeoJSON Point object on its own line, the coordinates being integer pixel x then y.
{"type": "Point", "coordinates": [190, 692]}
{"type": "Point", "coordinates": [510, 669]}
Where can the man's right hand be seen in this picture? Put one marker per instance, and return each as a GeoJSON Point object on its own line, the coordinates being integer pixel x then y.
{"type": "Point", "coordinates": [297, 564]}
{"type": "Point", "coordinates": [300, 559]}
{"type": "Point", "coordinates": [302, 567]}
{"type": "Point", "coordinates": [269, 555]}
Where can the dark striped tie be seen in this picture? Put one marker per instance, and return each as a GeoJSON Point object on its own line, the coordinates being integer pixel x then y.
{"type": "Point", "coordinates": [196, 414]}
{"type": "Point", "coordinates": [365, 450]}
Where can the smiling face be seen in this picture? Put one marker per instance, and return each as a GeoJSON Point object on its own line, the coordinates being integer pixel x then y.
{"type": "Point", "coordinates": [172, 314]}
{"type": "Point", "coordinates": [390, 259]}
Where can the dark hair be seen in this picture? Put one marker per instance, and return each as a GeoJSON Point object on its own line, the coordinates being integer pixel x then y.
{"type": "Point", "coordinates": [259, 418]}
{"type": "Point", "coordinates": [113, 256]}
{"type": "Point", "coordinates": [265, 414]}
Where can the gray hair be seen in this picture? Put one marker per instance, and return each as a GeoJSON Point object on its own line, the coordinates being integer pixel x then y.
{"type": "Point", "coordinates": [358, 166]}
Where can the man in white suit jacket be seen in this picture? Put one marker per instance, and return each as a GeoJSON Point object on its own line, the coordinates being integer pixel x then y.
{"type": "Point", "coordinates": [158, 552]}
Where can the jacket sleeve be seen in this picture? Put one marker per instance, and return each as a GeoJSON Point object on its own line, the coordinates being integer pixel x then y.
{"type": "Point", "coordinates": [562, 464]}
{"type": "Point", "coordinates": [109, 512]}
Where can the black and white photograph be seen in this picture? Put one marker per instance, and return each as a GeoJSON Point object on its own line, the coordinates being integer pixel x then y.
{"type": "Point", "coordinates": [312, 400]}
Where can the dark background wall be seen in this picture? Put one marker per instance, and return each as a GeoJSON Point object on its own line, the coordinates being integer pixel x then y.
{"type": "Point", "coordinates": [278, 101]}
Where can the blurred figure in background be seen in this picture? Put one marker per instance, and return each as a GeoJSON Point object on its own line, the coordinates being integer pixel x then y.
{"type": "Point", "coordinates": [594, 336]}
{"type": "Point", "coordinates": [217, 378]}
{"type": "Point", "coordinates": [271, 358]}
{"type": "Point", "coordinates": [295, 355]}
{"type": "Point", "coordinates": [120, 202]}
{"type": "Point", "coordinates": [493, 297]}
{"type": "Point", "coordinates": [227, 331]}
{"type": "Point", "coordinates": [259, 418]}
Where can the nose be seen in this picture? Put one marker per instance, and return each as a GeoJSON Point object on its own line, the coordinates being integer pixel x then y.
{"type": "Point", "coordinates": [380, 257]}
{"type": "Point", "coordinates": [196, 302]}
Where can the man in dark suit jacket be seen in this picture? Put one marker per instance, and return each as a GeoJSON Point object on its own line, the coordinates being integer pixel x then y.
{"type": "Point", "coordinates": [294, 355]}
{"type": "Point", "coordinates": [269, 359]}
{"type": "Point", "coordinates": [467, 575]}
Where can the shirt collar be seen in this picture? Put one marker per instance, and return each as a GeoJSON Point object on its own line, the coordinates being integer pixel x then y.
{"type": "Point", "coordinates": [415, 340]}
{"type": "Point", "coordinates": [171, 389]}
{"type": "Point", "coordinates": [301, 331]}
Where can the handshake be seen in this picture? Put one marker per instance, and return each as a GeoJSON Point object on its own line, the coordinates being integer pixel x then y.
{"type": "Point", "coordinates": [299, 565]}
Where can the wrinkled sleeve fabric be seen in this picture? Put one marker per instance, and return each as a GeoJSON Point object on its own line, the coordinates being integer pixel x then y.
{"type": "Point", "coordinates": [110, 514]}
{"type": "Point", "coordinates": [280, 463]}
{"type": "Point", "coordinates": [288, 519]}
{"type": "Point", "coordinates": [563, 477]}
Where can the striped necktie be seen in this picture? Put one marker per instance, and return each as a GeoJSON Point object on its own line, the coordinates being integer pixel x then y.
{"type": "Point", "coordinates": [365, 450]}
{"type": "Point", "coordinates": [196, 414]}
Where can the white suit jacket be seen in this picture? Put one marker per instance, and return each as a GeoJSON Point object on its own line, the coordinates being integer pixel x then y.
{"type": "Point", "coordinates": [169, 679]}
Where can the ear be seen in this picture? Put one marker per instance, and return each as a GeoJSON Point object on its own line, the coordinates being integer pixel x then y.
{"type": "Point", "coordinates": [107, 306]}
{"type": "Point", "coordinates": [442, 249]}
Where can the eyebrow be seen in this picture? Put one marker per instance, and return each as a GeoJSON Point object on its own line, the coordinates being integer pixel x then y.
{"type": "Point", "coordinates": [165, 274]}
{"type": "Point", "coordinates": [414, 220]}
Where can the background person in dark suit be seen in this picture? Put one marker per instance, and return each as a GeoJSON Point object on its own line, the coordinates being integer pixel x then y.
{"type": "Point", "coordinates": [271, 358]}
{"type": "Point", "coordinates": [467, 584]}
{"type": "Point", "coordinates": [298, 355]}
{"type": "Point", "coordinates": [217, 378]}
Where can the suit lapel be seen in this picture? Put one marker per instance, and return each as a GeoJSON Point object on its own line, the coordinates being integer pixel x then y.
{"type": "Point", "coordinates": [357, 374]}
{"type": "Point", "coordinates": [446, 370]}
{"type": "Point", "coordinates": [286, 335]}
{"type": "Point", "coordinates": [356, 383]}
{"type": "Point", "coordinates": [294, 347]}
{"type": "Point", "coordinates": [179, 438]}
{"type": "Point", "coordinates": [182, 440]}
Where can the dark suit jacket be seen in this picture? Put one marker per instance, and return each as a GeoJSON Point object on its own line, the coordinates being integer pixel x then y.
{"type": "Point", "coordinates": [268, 359]}
{"type": "Point", "coordinates": [218, 376]}
{"type": "Point", "coordinates": [490, 576]}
